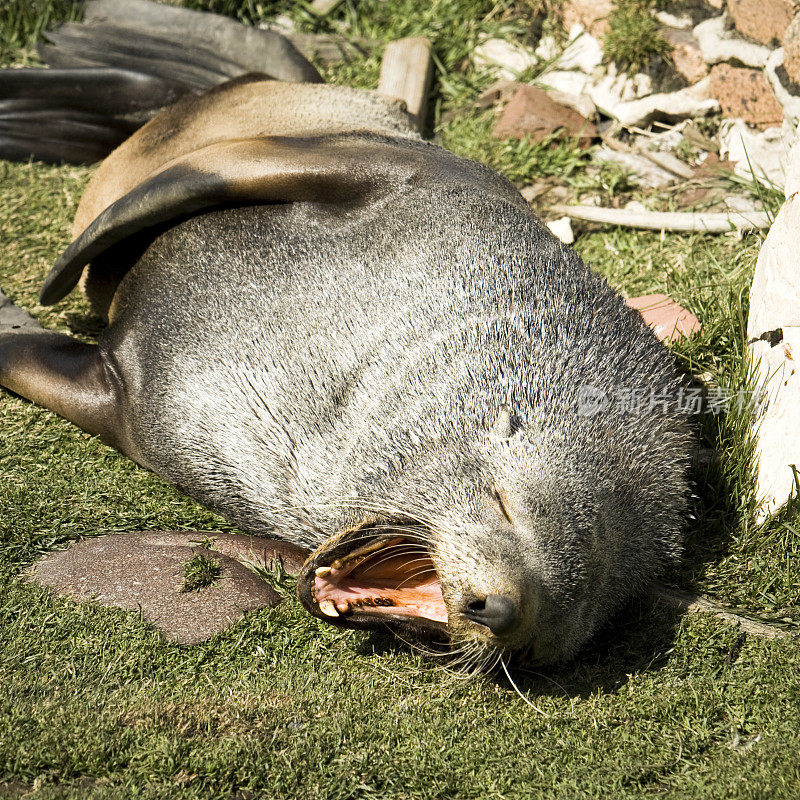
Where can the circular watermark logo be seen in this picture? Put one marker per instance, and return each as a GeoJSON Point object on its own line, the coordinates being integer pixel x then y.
{"type": "Point", "coordinates": [592, 401]}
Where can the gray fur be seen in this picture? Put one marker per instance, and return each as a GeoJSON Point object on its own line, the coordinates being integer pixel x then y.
{"type": "Point", "coordinates": [302, 367]}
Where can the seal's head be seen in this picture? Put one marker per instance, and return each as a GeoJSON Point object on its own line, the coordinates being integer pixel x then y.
{"type": "Point", "coordinates": [549, 533]}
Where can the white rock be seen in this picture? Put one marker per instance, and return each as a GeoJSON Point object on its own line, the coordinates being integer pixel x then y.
{"type": "Point", "coordinates": [606, 91]}
{"type": "Point", "coordinates": [511, 58]}
{"type": "Point", "coordinates": [582, 103]}
{"type": "Point", "coordinates": [719, 43]}
{"type": "Point", "coordinates": [776, 429]}
{"type": "Point", "coordinates": [281, 24]}
{"type": "Point", "coordinates": [614, 88]}
{"type": "Point", "coordinates": [548, 48]}
{"type": "Point", "coordinates": [532, 191]}
{"type": "Point", "coordinates": [775, 316]}
{"type": "Point", "coordinates": [574, 83]}
{"type": "Point", "coordinates": [789, 102]}
{"type": "Point", "coordinates": [568, 88]}
{"type": "Point", "coordinates": [693, 101]}
{"type": "Point", "coordinates": [743, 204]}
{"type": "Point", "coordinates": [671, 21]}
{"type": "Point", "coordinates": [562, 229]}
{"type": "Point", "coordinates": [583, 52]}
{"type": "Point", "coordinates": [793, 170]}
{"type": "Point", "coordinates": [760, 154]}
{"type": "Point", "coordinates": [647, 173]}
{"type": "Point", "coordinates": [642, 84]}
{"type": "Point", "coordinates": [775, 293]}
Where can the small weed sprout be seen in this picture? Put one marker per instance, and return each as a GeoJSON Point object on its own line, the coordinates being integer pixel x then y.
{"type": "Point", "coordinates": [687, 151]}
{"type": "Point", "coordinates": [199, 572]}
{"type": "Point", "coordinates": [633, 39]}
{"type": "Point", "coordinates": [607, 180]}
{"type": "Point", "coordinates": [207, 542]}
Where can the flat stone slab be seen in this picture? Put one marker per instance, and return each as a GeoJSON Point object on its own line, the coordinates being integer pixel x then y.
{"type": "Point", "coordinates": [255, 549]}
{"type": "Point", "coordinates": [143, 572]}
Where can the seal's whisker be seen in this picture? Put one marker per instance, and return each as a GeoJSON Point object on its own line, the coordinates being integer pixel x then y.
{"type": "Point", "coordinates": [421, 648]}
{"type": "Point", "coordinates": [406, 564]}
{"type": "Point", "coordinates": [415, 577]}
{"type": "Point", "coordinates": [517, 690]}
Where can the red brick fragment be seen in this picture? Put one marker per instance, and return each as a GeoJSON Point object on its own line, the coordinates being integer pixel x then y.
{"type": "Point", "coordinates": [745, 93]}
{"type": "Point", "coordinates": [763, 20]}
{"type": "Point", "coordinates": [665, 317]}
{"type": "Point", "coordinates": [533, 114]}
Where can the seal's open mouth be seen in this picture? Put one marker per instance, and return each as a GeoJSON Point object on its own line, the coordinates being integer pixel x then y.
{"type": "Point", "coordinates": [358, 580]}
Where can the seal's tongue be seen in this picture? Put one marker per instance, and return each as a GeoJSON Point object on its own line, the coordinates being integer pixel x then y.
{"type": "Point", "coordinates": [390, 578]}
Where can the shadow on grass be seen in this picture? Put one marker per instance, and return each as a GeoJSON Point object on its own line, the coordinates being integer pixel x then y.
{"type": "Point", "coordinates": [639, 639]}
{"type": "Point", "coordinates": [722, 505]}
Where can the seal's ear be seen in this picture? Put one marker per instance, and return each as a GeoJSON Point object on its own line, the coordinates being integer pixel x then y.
{"type": "Point", "coordinates": [505, 425]}
{"type": "Point", "coordinates": [501, 428]}
{"type": "Point", "coordinates": [341, 169]}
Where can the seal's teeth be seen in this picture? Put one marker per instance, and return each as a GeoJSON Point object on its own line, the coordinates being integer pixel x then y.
{"type": "Point", "coordinates": [321, 572]}
{"type": "Point", "coordinates": [328, 608]}
{"type": "Point", "coordinates": [343, 606]}
{"type": "Point", "coordinates": [337, 564]}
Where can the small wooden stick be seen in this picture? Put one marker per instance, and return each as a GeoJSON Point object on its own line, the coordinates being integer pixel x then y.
{"type": "Point", "coordinates": [711, 222]}
{"type": "Point", "coordinates": [406, 74]}
{"type": "Point", "coordinates": [666, 161]}
{"type": "Point", "coordinates": [695, 603]}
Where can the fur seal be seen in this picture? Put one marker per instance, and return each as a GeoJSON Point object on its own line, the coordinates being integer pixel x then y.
{"type": "Point", "coordinates": [337, 334]}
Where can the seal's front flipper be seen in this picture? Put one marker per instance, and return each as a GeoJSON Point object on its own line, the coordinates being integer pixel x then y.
{"type": "Point", "coordinates": [14, 319]}
{"type": "Point", "coordinates": [58, 372]}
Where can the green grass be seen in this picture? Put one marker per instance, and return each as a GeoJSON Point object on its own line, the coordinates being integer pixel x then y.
{"type": "Point", "coordinates": [520, 161]}
{"type": "Point", "coordinates": [94, 704]}
{"type": "Point", "coordinates": [199, 572]}
{"type": "Point", "coordinates": [633, 40]}
{"type": "Point", "coordinates": [22, 22]}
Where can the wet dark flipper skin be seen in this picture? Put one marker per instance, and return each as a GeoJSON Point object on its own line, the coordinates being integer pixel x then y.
{"type": "Point", "coordinates": [76, 115]}
{"type": "Point", "coordinates": [69, 377]}
{"type": "Point", "coordinates": [118, 68]}
{"type": "Point", "coordinates": [216, 43]}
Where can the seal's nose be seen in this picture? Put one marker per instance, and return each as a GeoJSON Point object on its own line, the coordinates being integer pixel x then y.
{"type": "Point", "coordinates": [496, 611]}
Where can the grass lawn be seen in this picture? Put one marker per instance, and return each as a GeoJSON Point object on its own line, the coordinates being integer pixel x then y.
{"type": "Point", "coordinates": [94, 704]}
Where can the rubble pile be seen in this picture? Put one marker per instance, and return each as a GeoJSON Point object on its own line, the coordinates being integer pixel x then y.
{"type": "Point", "coordinates": [727, 88]}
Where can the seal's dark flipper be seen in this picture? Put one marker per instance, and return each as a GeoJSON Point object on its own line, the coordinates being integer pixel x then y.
{"type": "Point", "coordinates": [339, 170]}
{"type": "Point", "coordinates": [58, 372]}
{"type": "Point", "coordinates": [116, 70]}
{"type": "Point", "coordinates": [76, 115]}
{"type": "Point", "coordinates": [201, 35]}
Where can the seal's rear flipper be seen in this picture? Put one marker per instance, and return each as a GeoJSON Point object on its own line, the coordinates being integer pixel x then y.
{"type": "Point", "coordinates": [58, 372]}
{"type": "Point", "coordinates": [76, 115]}
{"type": "Point", "coordinates": [221, 47]}
{"type": "Point", "coordinates": [116, 70]}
